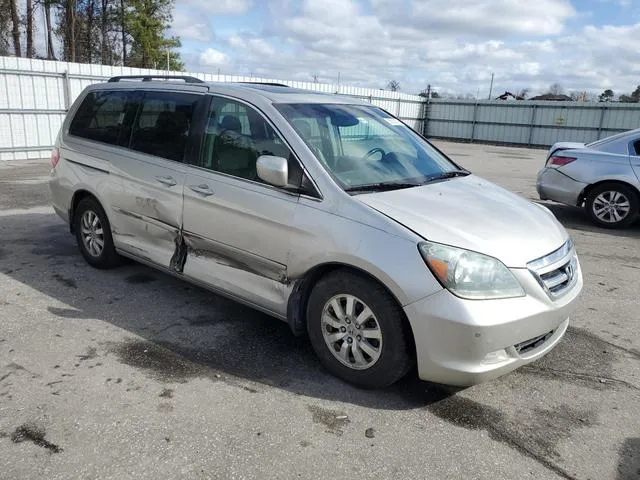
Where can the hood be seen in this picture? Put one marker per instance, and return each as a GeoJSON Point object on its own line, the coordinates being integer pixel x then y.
{"type": "Point", "coordinates": [472, 213]}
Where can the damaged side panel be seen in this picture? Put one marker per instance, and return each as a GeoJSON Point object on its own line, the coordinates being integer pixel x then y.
{"type": "Point", "coordinates": [255, 279]}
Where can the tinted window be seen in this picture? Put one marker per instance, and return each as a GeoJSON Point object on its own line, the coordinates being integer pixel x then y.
{"type": "Point", "coordinates": [162, 126]}
{"type": "Point", "coordinates": [236, 136]}
{"type": "Point", "coordinates": [105, 117]}
{"type": "Point", "coordinates": [637, 147]}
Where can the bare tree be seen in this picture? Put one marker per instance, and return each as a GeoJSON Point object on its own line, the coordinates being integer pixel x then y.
{"type": "Point", "coordinates": [4, 28]}
{"type": "Point", "coordinates": [393, 85]}
{"type": "Point", "coordinates": [104, 32]}
{"type": "Point", "coordinates": [49, 28]}
{"type": "Point", "coordinates": [15, 32]}
{"type": "Point", "coordinates": [68, 25]}
{"type": "Point", "coordinates": [29, 27]}
{"type": "Point", "coordinates": [90, 20]}
{"type": "Point", "coordinates": [123, 30]}
{"type": "Point", "coordinates": [556, 89]}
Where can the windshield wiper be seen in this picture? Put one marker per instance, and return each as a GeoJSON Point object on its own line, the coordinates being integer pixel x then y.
{"type": "Point", "coordinates": [381, 186]}
{"type": "Point", "coordinates": [446, 175]}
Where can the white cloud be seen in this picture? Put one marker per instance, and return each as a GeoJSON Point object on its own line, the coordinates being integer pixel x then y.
{"type": "Point", "coordinates": [454, 45]}
{"type": "Point", "coordinates": [220, 7]}
{"type": "Point", "coordinates": [189, 28]}
{"type": "Point", "coordinates": [212, 58]}
{"type": "Point", "coordinates": [492, 17]}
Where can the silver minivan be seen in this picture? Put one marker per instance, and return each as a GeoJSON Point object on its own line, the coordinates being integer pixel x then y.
{"type": "Point", "coordinates": [323, 211]}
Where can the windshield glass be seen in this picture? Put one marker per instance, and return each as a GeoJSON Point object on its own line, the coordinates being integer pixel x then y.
{"type": "Point", "coordinates": [365, 146]}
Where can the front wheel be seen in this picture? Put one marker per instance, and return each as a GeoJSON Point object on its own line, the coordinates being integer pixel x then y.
{"type": "Point", "coordinates": [358, 330]}
{"type": "Point", "coordinates": [612, 205]}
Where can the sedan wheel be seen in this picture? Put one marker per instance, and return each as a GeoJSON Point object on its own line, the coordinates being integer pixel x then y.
{"type": "Point", "coordinates": [612, 205]}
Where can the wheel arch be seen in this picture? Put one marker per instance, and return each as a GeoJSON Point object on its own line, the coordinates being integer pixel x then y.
{"type": "Point", "coordinates": [585, 192]}
{"type": "Point", "coordinates": [299, 297]}
{"type": "Point", "coordinates": [77, 197]}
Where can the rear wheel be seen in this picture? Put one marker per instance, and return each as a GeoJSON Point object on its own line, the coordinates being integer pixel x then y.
{"type": "Point", "coordinates": [612, 205]}
{"type": "Point", "coordinates": [93, 234]}
{"type": "Point", "coordinates": [358, 330]}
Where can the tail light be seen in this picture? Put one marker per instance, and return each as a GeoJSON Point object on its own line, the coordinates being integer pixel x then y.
{"type": "Point", "coordinates": [560, 161]}
{"type": "Point", "coordinates": [55, 157]}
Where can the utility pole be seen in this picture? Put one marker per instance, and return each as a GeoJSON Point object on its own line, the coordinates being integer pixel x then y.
{"type": "Point", "coordinates": [167, 59]}
{"type": "Point", "coordinates": [491, 87]}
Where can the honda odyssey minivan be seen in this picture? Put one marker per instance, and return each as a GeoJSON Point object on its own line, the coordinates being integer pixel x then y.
{"type": "Point", "coordinates": [323, 211]}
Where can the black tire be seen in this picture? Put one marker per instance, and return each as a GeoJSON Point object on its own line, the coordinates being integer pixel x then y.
{"type": "Point", "coordinates": [395, 358]}
{"type": "Point", "coordinates": [628, 192]}
{"type": "Point", "coordinates": [108, 257]}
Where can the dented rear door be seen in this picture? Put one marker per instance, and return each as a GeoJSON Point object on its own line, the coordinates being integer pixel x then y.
{"type": "Point", "coordinates": [147, 179]}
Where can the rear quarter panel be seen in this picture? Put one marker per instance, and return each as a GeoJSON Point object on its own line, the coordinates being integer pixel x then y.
{"type": "Point", "coordinates": [594, 166]}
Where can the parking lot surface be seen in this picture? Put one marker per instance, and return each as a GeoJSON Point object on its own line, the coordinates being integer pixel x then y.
{"type": "Point", "coordinates": [130, 373]}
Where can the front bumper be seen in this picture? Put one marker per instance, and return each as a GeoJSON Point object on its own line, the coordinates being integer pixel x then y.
{"type": "Point", "coordinates": [465, 342]}
{"type": "Point", "coordinates": [554, 185]}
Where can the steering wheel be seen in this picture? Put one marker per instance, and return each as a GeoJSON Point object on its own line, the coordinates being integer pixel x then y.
{"type": "Point", "coordinates": [372, 152]}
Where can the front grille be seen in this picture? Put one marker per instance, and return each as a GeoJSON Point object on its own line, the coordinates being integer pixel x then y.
{"type": "Point", "coordinates": [533, 343]}
{"type": "Point", "coordinates": [558, 271]}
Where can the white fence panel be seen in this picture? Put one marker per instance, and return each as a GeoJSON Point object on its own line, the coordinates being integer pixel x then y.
{"type": "Point", "coordinates": [34, 95]}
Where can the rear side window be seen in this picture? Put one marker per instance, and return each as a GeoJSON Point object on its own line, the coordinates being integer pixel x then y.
{"type": "Point", "coordinates": [636, 146]}
{"type": "Point", "coordinates": [163, 124]}
{"type": "Point", "coordinates": [102, 117]}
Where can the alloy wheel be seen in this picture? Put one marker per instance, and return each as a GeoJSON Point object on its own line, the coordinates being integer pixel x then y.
{"type": "Point", "coordinates": [351, 331]}
{"type": "Point", "coordinates": [92, 233]}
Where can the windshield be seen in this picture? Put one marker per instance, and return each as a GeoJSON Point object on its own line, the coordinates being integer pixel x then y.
{"type": "Point", "coordinates": [363, 146]}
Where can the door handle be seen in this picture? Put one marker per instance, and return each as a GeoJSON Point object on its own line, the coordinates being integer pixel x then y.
{"type": "Point", "coordinates": [202, 189]}
{"type": "Point", "coordinates": [168, 181]}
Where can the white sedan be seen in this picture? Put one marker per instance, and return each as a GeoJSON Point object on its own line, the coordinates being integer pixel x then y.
{"type": "Point", "coordinates": [602, 176]}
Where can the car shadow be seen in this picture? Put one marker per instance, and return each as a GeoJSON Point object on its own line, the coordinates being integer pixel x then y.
{"type": "Point", "coordinates": [575, 218]}
{"type": "Point", "coordinates": [181, 331]}
{"type": "Point", "coordinates": [629, 460]}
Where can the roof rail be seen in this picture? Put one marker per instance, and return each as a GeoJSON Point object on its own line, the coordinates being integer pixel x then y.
{"type": "Point", "coordinates": [149, 78]}
{"type": "Point", "coordinates": [272, 84]}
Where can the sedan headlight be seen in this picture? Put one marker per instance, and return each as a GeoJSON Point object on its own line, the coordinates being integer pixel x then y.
{"type": "Point", "coordinates": [469, 274]}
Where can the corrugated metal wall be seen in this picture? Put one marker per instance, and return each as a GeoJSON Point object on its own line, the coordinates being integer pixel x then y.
{"type": "Point", "coordinates": [34, 95]}
{"type": "Point", "coordinates": [528, 123]}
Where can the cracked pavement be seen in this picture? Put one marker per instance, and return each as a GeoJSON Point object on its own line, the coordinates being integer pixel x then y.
{"type": "Point", "coordinates": [130, 373]}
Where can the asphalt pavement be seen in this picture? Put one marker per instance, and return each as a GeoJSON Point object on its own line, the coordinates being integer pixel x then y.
{"type": "Point", "coordinates": [130, 373]}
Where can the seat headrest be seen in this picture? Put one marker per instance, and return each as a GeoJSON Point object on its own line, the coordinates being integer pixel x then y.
{"type": "Point", "coordinates": [231, 122]}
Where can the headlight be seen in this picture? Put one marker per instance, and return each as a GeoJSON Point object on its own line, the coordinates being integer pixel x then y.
{"type": "Point", "coordinates": [469, 274]}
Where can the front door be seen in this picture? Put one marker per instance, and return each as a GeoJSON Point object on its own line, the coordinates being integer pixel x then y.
{"type": "Point", "coordinates": [236, 228]}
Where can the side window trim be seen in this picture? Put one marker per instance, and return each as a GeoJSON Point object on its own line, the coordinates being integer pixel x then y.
{"type": "Point", "coordinates": [317, 194]}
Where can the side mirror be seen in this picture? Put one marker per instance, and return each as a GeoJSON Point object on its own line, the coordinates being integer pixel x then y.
{"type": "Point", "coordinates": [273, 170]}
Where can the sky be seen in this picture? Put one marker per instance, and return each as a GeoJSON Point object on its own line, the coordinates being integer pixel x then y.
{"type": "Point", "coordinates": [453, 45]}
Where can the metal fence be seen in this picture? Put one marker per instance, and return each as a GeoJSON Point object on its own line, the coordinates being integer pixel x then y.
{"type": "Point", "coordinates": [528, 123]}
{"type": "Point", "coordinates": [35, 94]}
